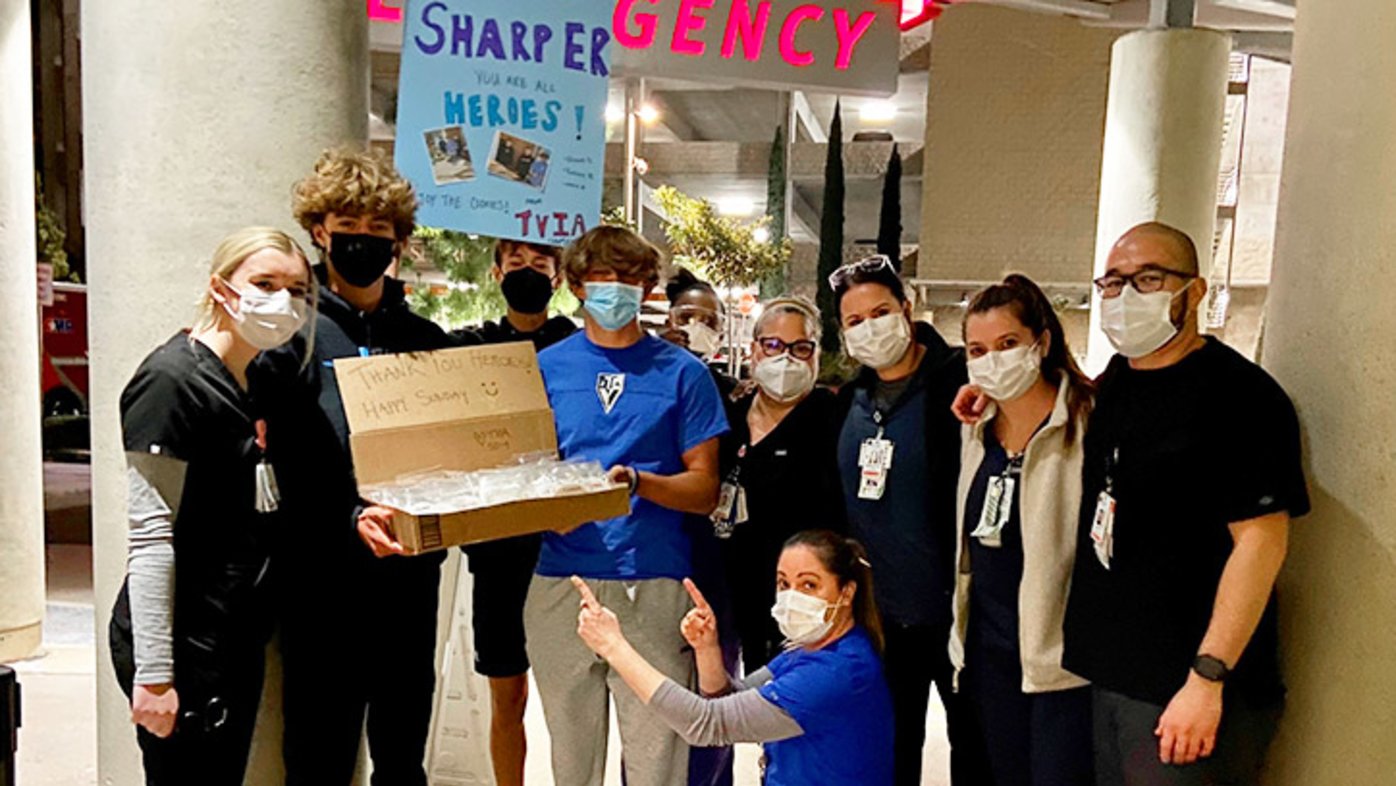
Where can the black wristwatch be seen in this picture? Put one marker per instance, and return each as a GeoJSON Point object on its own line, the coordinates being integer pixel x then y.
{"type": "Point", "coordinates": [1211, 669]}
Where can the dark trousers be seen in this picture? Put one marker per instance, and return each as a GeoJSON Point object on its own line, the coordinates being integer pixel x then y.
{"type": "Point", "coordinates": [367, 656]}
{"type": "Point", "coordinates": [1032, 739]}
{"type": "Point", "coordinates": [713, 766]}
{"type": "Point", "coordinates": [1126, 750]}
{"type": "Point", "coordinates": [916, 657]}
{"type": "Point", "coordinates": [217, 713]}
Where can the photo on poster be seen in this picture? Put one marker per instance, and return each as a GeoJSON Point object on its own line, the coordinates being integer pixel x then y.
{"type": "Point", "coordinates": [519, 160]}
{"type": "Point", "coordinates": [449, 154]}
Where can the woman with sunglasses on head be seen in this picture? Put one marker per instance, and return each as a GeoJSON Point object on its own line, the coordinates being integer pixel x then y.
{"type": "Point", "coordinates": [1020, 499]}
{"type": "Point", "coordinates": [899, 463]}
{"type": "Point", "coordinates": [779, 467]}
{"type": "Point", "coordinates": [191, 623]}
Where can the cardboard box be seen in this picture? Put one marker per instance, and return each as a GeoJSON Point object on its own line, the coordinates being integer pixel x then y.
{"type": "Point", "coordinates": [460, 409]}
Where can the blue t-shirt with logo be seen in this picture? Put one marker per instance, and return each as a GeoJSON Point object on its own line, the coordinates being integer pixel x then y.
{"type": "Point", "coordinates": [643, 406]}
{"type": "Point", "coordinates": [840, 699]}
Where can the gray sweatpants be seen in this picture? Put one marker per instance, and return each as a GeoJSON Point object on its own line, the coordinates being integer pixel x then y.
{"type": "Point", "coordinates": [574, 683]}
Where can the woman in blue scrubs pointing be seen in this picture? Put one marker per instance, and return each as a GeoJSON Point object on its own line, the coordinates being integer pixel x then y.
{"type": "Point", "coordinates": [821, 708]}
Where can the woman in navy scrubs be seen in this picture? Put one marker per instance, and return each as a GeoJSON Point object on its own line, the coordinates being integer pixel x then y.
{"type": "Point", "coordinates": [1019, 501]}
{"type": "Point", "coordinates": [821, 708]}
{"type": "Point", "coordinates": [190, 625]}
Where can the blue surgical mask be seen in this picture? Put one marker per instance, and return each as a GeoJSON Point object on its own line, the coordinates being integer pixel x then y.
{"type": "Point", "coordinates": [612, 304]}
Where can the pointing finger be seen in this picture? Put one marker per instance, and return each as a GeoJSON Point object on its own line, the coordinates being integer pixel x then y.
{"type": "Point", "coordinates": [588, 599]}
{"type": "Point", "coordinates": [693, 592]}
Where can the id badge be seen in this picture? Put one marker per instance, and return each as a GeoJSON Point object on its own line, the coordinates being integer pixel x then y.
{"type": "Point", "coordinates": [872, 483]}
{"type": "Point", "coordinates": [874, 460]}
{"type": "Point", "coordinates": [998, 507]}
{"type": "Point", "coordinates": [875, 452]}
{"type": "Point", "coordinates": [268, 494]}
{"type": "Point", "coordinates": [1103, 529]}
{"type": "Point", "coordinates": [726, 506]}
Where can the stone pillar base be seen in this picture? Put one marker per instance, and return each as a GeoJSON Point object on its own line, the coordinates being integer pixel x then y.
{"type": "Point", "coordinates": [20, 643]}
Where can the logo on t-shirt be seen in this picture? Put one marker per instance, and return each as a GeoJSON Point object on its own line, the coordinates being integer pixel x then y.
{"type": "Point", "coordinates": [608, 389]}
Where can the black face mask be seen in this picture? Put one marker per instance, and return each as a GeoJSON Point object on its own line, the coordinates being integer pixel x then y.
{"type": "Point", "coordinates": [360, 259]}
{"type": "Point", "coordinates": [526, 290]}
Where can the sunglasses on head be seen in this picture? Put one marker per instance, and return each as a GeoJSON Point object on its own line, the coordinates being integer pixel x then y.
{"type": "Point", "coordinates": [840, 278]}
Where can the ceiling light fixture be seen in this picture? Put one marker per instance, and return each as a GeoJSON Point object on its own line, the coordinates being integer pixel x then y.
{"type": "Point", "coordinates": [878, 112]}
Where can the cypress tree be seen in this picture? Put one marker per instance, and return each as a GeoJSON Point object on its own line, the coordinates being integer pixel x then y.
{"type": "Point", "coordinates": [775, 284]}
{"type": "Point", "coordinates": [831, 231]}
{"type": "Point", "coordinates": [889, 227]}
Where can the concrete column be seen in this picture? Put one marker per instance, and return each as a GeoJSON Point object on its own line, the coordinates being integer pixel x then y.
{"type": "Point", "coordinates": [1329, 341]}
{"type": "Point", "coordinates": [199, 115]}
{"type": "Point", "coordinates": [21, 465]}
{"type": "Point", "coordinates": [1163, 135]}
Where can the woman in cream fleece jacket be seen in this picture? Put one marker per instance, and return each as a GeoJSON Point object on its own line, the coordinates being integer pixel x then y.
{"type": "Point", "coordinates": [1019, 507]}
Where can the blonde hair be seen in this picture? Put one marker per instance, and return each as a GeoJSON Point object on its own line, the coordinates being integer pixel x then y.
{"type": "Point", "coordinates": [792, 304]}
{"type": "Point", "coordinates": [355, 182]}
{"type": "Point", "coordinates": [616, 248]}
{"type": "Point", "coordinates": [234, 250]}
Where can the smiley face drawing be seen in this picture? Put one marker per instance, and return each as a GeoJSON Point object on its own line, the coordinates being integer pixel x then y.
{"type": "Point", "coordinates": [491, 388]}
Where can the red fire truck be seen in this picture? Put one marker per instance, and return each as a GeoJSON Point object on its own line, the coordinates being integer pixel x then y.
{"type": "Point", "coordinates": [64, 380]}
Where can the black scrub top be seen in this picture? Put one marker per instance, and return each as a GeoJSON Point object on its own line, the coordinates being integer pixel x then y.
{"type": "Point", "coordinates": [791, 483]}
{"type": "Point", "coordinates": [184, 407]}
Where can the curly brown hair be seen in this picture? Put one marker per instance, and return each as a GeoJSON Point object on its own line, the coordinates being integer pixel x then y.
{"type": "Point", "coordinates": [617, 248]}
{"type": "Point", "coordinates": [355, 182]}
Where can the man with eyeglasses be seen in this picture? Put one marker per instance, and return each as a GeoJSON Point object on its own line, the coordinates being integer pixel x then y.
{"type": "Point", "coordinates": [1192, 473]}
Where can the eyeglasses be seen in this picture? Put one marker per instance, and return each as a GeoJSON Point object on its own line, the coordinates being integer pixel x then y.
{"type": "Point", "coordinates": [803, 349]}
{"type": "Point", "coordinates": [840, 278]}
{"type": "Point", "coordinates": [1146, 281]}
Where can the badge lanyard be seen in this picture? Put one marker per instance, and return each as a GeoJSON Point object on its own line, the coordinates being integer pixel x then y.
{"type": "Point", "coordinates": [999, 498]}
{"type": "Point", "coordinates": [1103, 523]}
{"type": "Point", "coordinates": [731, 500]}
{"type": "Point", "coordinates": [874, 462]}
{"type": "Point", "coordinates": [268, 495]}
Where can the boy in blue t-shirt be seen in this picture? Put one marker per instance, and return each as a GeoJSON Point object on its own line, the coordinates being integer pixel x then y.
{"type": "Point", "coordinates": [650, 411]}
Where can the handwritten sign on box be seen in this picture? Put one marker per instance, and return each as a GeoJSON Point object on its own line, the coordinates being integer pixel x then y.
{"type": "Point", "coordinates": [460, 409]}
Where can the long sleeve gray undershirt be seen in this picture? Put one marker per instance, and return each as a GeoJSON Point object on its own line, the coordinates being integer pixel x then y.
{"type": "Point", "coordinates": [743, 715]}
{"type": "Point", "coordinates": [150, 568]}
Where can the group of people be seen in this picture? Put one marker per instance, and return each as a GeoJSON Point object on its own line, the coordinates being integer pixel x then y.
{"type": "Point", "coordinates": [1083, 569]}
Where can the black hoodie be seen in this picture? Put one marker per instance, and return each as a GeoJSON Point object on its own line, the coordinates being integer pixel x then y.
{"type": "Point", "coordinates": [942, 372]}
{"type": "Point", "coordinates": [307, 434]}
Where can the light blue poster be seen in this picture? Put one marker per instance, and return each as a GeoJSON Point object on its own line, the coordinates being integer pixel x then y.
{"type": "Point", "coordinates": [501, 115]}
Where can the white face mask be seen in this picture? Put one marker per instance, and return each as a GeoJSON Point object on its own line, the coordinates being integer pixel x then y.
{"type": "Point", "coordinates": [1137, 324]}
{"type": "Point", "coordinates": [784, 378]}
{"type": "Point", "coordinates": [266, 320]}
{"type": "Point", "coordinates": [702, 339]}
{"type": "Point", "coordinates": [803, 619]}
{"type": "Point", "coordinates": [1006, 374]}
{"type": "Point", "coordinates": [880, 342]}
